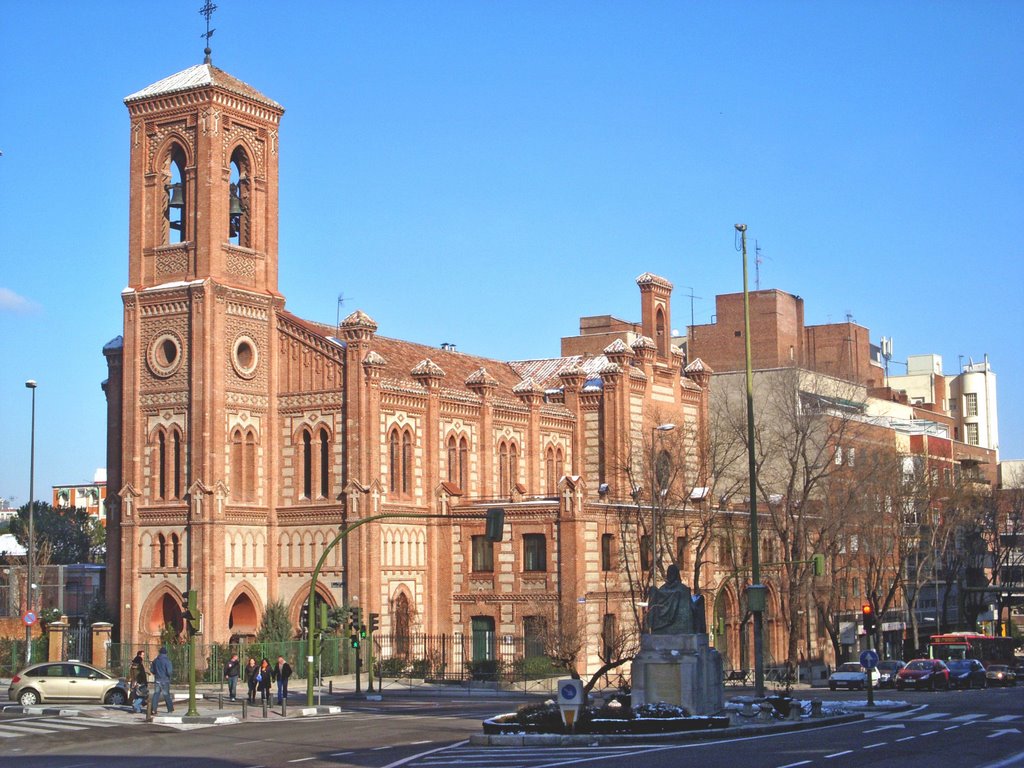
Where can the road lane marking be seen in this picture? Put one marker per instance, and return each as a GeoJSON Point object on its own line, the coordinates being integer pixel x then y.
{"type": "Point", "coordinates": [409, 759]}
{"type": "Point", "coordinates": [340, 754]}
{"type": "Point", "coordinates": [1003, 719]}
{"type": "Point", "coordinates": [907, 738]}
{"type": "Point", "coordinates": [794, 765]}
{"type": "Point", "coordinates": [968, 718]}
{"type": "Point", "coordinates": [951, 727]}
{"type": "Point", "coordinates": [885, 728]}
{"type": "Point", "coordinates": [931, 716]}
{"type": "Point", "coordinates": [879, 744]}
{"type": "Point", "coordinates": [414, 743]}
{"type": "Point", "coordinates": [929, 733]}
{"type": "Point", "coordinates": [839, 754]}
{"type": "Point", "coordinates": [301, 759]}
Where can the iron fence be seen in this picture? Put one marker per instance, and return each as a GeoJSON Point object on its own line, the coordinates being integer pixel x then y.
{"type": "Point", "coordinates": [483, 656]}
{"type": "Point", "coordinates": [12, 654]}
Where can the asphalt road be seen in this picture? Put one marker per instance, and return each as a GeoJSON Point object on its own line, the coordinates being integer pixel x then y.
{"type": "Point", "coordinates": [960, 728]}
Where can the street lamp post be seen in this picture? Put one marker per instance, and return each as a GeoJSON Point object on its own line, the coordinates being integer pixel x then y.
{"type": "Point", "coordinates": [31, 384]}
{"type": "Point", "coordinates": [656, 497]}
{"type": "Point", "coordinates": [756, 591]}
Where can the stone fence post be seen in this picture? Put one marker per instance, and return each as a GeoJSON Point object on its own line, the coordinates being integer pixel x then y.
{"type": "Point", "coordinates": [57, 633]}
{"type": "Point", "coordinates": [101, 632]}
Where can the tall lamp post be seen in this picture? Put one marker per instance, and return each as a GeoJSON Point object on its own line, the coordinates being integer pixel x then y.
{"type": "Point", "coordinates": [31, 384]}
{"type": "Point", "coordinates": [656, 496]}
{"type": "Point", "coordinates": [756, 591]}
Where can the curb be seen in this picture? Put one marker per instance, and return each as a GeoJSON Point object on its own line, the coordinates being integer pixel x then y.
{"type": "Point", "coordinates": [713, 734]}
{"type": "Point", "coordinates": [42, 710]}
{"type": "Point", "coordinates": [195, 720]}
{"type": "Point", "coordinates": [314, 711]}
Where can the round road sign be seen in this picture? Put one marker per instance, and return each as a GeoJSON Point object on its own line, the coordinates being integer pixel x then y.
{"type": "Point", "coordinates": [29, 618]}
{"type": "Point", "coordinates": [869, 659]}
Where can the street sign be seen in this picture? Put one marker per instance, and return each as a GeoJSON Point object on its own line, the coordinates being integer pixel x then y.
{"type": "Point", "coordinates": [29, 618]}
{"type": "Point", "coordinates": [570, 696]}
{"type": "Point", "coordinates": [869, 658]}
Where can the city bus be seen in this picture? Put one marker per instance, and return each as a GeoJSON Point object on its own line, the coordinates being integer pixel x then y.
{"type": "Point", "coordinates": [971, 645]}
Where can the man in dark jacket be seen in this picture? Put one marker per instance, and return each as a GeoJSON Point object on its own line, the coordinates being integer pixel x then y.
{"type": "Point", "coordinates": [282, 672]}
{"type": "Point", "coordinates": [162, 670]}
{"type": "Point", "coordinates": [138, 682]}
{"type": "Point", "coordinates": [232, 669]}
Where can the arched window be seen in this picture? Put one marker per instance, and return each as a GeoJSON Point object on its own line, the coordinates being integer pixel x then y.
{"type": "Point", "coordinates": [176, 474]}
{"type": "Point", "coordinates": [394, 462]}
{"type": "Point", "coordinates": [453, 459]}
{"type": "Point", "coordinates": [463, 463]}
{"type": "Point", "coordinates": [325, 464]}
{"type": "Point", "coordinates": [662, 339]}
{"type": "Point", "coordinates": [174, 204]}
{"type": "Point", "coordinates": [513, 465]}
{"type": "Point", "coordinates": [503, 468]}
{"type": "Point", "coordinates": [307, 464]}
{"type": "Point", "coordinates": [161, 465]}
{"type": "Point", "coordinates": [175, 551]}
{"type": "Point", "coordinates": [239, 222]}
{"type": "Point", "coordinates": [406, 462]}
{"type": "Point", "coordinates": [243, 464]}
{"type": "Point", "coordinates": [663, 471]}
{"type": "Point", "coordinates": [549, 470]}
{"type": "Point", "coordinates": [161, 550]}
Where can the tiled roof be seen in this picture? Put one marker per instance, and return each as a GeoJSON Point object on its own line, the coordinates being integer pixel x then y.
{"type": "Point", "coordinates": [547, 370]}
{"type": "Point", "coordinates": [650, 279]}
{"type": "Point", "coordinates": [201, 76]}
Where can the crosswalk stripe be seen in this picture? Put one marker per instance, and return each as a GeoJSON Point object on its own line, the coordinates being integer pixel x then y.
{"type": "Point", "coordinates": [931, 716]}
{"type": "Point", "coordinates": [967, 718]}
{"type": "Point", "coordinates": [1004, 718]}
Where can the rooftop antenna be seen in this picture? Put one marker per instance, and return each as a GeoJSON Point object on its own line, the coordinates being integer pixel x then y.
{"type": "Point", "coordinates": [887, 353]}
{"type": "Point", "coordinates": [341, 301]}
{"type": "Point", "coordinates": [692, 297]}
{"type": "Point", "coordinates": [757, 266]}
{"type": "Point", "coordinates": [207, 11]}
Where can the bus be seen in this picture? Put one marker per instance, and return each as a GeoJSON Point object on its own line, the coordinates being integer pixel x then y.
{"type": "Point", "coordinates": [971, 645]}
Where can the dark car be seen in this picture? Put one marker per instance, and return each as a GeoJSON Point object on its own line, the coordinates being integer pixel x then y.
{"type": "Point", "coordinates": [887, 670]}
{"type": "Point", "coordinates": [1000, 674]}
{"type": "Point", "coordinates": [923, 674]}
{"type": "Point", "coordinates": [967, 673]}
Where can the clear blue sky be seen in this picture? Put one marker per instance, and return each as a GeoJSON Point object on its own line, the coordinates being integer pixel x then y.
{"type": "Point", "coordinates": [485, 173]}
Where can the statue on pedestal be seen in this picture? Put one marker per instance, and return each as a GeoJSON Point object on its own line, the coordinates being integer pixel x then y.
{"type": "Point", "coordinates": [670, 607]}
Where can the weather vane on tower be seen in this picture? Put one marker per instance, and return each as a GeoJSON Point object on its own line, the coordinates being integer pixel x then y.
{"type": "Point", "coordinates": [207, 11]}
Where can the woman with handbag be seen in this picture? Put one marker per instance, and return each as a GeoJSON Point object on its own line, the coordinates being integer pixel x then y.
{"type": "Point", "coordinates": [263, 675]}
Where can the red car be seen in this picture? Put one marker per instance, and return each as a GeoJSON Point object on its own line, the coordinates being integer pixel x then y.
{"type": "Point", "coordinates": [923, 674]}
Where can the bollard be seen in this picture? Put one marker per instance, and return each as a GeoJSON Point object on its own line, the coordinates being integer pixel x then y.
{"type": "Point", "coordinates": [795, 712]}
{"type": "Point", "coordinates": [266, 707]}
{"type": "Point", "coordinates": [245, 708]}
{"type": "Point", "coordinates": [816, 708]}
{"type": "Point", "coordinates": [220, 701]}
{"type": "Point", "coordinates": [330, 687]}
{"type": "Point", "coordinates": [284, 707]}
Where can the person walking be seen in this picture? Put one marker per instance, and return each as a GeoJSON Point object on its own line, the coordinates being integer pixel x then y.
{"type": "Point", "coordinates": [139, 682]}
{"type": "Point", "coordinates": [263, 678]}
{"type": "Point", "coordinates": [282, 672]}
{"type": "Point", "coordinates": [162, 669]}
{"type": "Point", "coordinates": [251, 670]}
{"type": "Point", "coordinates": [232, 669]}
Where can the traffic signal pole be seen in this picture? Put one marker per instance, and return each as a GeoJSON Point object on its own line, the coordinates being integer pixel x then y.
{"type": "Point", "coordinates": [495, 524]}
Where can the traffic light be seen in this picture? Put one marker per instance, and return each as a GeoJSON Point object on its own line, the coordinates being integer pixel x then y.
{"type": "Point", "coordinates": [495, 523]}
{"type": "Point", "coordinates": [304, 617]}
{"type": "Point", "coordinates": [362, 630]}
{"type": "Point", "coordinates": [353, 628]}
{"type": "Point", "coordinates": [190, 612]}
{"type": "Point", "coordinates": [869, 618]}
{"type": "Point", "coordinates": [354, 640]}
{"type": "Point", "coordinates": [374, 622]}
{"type": "Point", "coordinates": [322, 626]}
{"type": "Point", "coordinates": [819, 564]}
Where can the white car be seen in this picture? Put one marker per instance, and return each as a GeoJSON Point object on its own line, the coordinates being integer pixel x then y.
{"type": "Point", "coordinates": [853, 676]}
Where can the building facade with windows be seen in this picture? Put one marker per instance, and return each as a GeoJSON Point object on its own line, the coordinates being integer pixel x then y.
{"type": "Point", "coordinates": [241, 437]}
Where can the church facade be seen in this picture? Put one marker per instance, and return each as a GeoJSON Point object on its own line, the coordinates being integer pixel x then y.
{"type": "Point", "coordinates": [241, 438]}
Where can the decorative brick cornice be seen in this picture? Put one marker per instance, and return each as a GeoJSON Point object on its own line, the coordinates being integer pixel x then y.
{"type": "Point", "coordinates": [649, 281]}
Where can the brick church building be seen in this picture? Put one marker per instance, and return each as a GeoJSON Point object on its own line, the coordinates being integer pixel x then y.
{"type": "Point", "coordinates": [241, 437]}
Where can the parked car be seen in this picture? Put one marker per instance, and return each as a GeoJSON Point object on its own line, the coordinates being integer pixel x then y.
{"type": "Point", "coordinates": [1000, 674]}
{"type": "Point", "coordinates": [923, 674]}
{"type": "Point", "coordinates": [887, 670]}
{"type": "Point", "coordinates": [967, 673]}
{"type": "Point", "coordinates": [66, 681]}
{"type": "Point", "coordinates": [851, 675]}
{"type": "Point", "coordinates": [1018, 666]}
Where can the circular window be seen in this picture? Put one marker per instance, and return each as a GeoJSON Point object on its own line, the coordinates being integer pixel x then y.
{"type": "Point", "coordinates": [244, 357]}
{"type": "Point", "coordinates": [165, 354]}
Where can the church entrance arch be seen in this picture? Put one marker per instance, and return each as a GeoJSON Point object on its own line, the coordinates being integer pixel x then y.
{"type": "Point", "coordinates": [165, 611]}
{"type": "Point", "coordinates": [243, 618]}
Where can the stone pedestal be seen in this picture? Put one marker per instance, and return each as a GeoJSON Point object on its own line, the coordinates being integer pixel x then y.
{"type": "Point", "coordinates": [101, 644]}
{"type": "Point", "coordinates": [680, 670]}
{"type": "Point", "coordinates": [56, 630]}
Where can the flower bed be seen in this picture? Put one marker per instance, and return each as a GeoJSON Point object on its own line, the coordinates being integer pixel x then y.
{"type": "Point", "coordinates": [649, 719]}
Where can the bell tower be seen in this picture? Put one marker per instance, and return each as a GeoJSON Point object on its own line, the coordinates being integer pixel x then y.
{"type": "Point", "coordinates": [192, 447]}
{"type": "Point", "coordinates": [204, 182]}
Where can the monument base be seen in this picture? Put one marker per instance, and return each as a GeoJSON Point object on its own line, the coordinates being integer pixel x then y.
{"type": "Point", "coordinates": [681, 670]}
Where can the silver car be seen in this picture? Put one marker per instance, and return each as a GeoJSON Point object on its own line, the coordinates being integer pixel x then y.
{"type": "Point", "coordinates": [66, 681]}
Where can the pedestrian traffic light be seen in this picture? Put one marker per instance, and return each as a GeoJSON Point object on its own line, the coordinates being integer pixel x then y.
{"type": "Point", "coordinates": [362, 630]}
{"type": "Point", "coordinates": [304, 616]}
{"type": "Point", "coordinates": [868, 612]}
{"type": "Point", "coordinates": [355, 641]}
{"type": "Point", "coordinates": [374, 622]}
{"type": "Point", "coordinates": [495, 523]}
